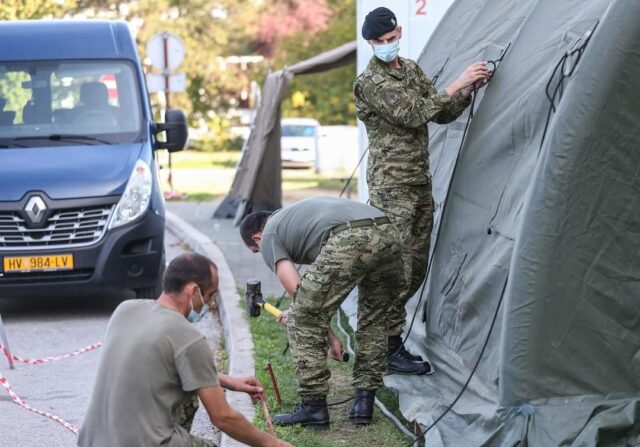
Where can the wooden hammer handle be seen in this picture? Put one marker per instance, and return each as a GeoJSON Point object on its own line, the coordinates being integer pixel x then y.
{"type": "Point", "coordinates": [272, 309]}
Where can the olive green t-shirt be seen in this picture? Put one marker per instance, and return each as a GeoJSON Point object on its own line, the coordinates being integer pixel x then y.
{"type": "Point", "coordinates": [297, 231]}
{"type": "Point", "coordinates": [152, 359]}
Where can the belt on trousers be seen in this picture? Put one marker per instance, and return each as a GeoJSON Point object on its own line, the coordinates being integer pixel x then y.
{"type": "Point", "coordinates": [369, 222]}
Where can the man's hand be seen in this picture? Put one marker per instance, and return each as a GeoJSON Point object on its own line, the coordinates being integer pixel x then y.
{"type": "Point", "coordinates": [475, 75]}
{"type": "Point", "coordinates": [335, 346]}
{"type": "Point", "coordinates": [282, 319]}
{"type": "Point", "coordinates": [247, 384]}
{"type": "Point", "coordinates": [232, 422]}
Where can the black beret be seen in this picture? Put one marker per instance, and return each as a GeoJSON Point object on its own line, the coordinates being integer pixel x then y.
{"type": "Point", "coordinates": [378, 22]}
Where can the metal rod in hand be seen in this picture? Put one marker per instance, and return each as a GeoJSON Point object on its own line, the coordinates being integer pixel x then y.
{"type": "Point", "coordinates": [274, 382]}
{"type": "Point", "coordinates": [267, 417]}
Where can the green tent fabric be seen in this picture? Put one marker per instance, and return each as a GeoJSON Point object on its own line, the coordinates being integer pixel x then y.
{"type": "Point", "coordinates": [537, 220]}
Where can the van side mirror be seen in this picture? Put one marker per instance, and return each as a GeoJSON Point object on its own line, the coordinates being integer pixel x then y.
{"type": "Point", "coordinates": [176, 130]}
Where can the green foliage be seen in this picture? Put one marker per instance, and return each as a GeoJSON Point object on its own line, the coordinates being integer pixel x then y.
{"type": "Point", "coordinates": [34, 9]}
{"type": "Point", "coordinates": [11, 83]}
{"type": "Point", "coordinates": [213, 30]}
{"type": "Point", "coordinates": [220, 139]}
{"type": "Point", "coordinates": [328, 95]}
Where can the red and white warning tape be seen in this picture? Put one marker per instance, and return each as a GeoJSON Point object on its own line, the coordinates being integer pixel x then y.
{"type": "Point", "coordinates": [48, 359]}
{"type": "Point", "coordinates": [7, 386]}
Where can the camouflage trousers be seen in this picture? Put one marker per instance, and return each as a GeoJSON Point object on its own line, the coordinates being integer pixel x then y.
{"type": "Point", "coordinates": [184, 417]}
{"type": "Point", "coordinates": [411, 209]}
{"type": "Point", "coordinates": [370, 258]}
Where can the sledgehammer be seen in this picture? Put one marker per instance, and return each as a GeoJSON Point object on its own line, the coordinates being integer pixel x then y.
{"type": "Point", "coordinates": [255, 302]}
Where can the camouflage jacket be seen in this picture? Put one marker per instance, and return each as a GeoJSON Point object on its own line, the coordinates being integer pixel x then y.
{"type": "Point", "coordinates": [395, 106]}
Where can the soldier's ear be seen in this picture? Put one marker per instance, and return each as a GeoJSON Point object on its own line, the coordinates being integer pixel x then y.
{"type": "Point", "coordinates": [399, 32]}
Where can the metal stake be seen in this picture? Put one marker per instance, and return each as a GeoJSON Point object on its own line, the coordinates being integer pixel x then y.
{"type": "Point", "coordinates": [5, 342]}
{"type": "Point", "coordinates": [274, 382]}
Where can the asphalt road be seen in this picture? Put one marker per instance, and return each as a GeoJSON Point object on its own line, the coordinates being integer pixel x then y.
{"type": "Point", "coordinates": [56, 325]}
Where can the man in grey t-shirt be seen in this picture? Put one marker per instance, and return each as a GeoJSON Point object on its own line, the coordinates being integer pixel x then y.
{"type": "Point", "coordinates": [155, 365]}
{"type": "Point", "coordinates": [346, 244]}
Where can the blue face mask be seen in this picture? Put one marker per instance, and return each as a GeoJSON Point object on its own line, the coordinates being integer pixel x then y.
{"type": "Point", "coordinates": [387, 52]}
{"type": "Point", "coordinates": [195, 317]}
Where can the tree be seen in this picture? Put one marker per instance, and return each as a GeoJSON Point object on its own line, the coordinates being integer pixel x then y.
{"type": "Point", "coordinates": [289, 17]}
{"type": "Point", "coordinates": [33, 9]}
{"type": "Point", "coordinates": [328, 96]}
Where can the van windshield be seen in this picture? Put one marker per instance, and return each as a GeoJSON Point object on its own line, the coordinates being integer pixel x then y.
{"type": "Point", "coordinates": [70, 102]}
{"type": "Point", "coordinates": [297, 130]}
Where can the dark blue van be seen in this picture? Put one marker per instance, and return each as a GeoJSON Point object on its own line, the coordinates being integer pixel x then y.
{"type": "Point", "coordinates": [80, 201]}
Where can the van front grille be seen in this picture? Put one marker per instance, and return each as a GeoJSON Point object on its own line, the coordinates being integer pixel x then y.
{"type": "Point", "coordinates": [66, 228]}
{"type": "Point", "coordinates": [45, 277]}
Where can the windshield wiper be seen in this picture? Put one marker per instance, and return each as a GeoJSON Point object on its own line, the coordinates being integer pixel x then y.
{"type": "Point", "coordinates": [10, 145]}
{"type": "Point", "coordinates": [64, 137]}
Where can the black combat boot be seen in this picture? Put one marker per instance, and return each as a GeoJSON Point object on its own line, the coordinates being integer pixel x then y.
{"type": "Point", "coordinates": [396, 345]}
{"type": "Point", "coordinates": [398, 363]}
{"type": "Point", "coordinates": [310, 413]}
{"type": "Point", "coordinates": [361, 412]}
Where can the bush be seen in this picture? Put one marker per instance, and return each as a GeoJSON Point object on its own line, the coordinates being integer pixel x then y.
{"type": "Point", "coordinates": [218, 138]}
{"type": "Point", "coordinates": [217, 143]}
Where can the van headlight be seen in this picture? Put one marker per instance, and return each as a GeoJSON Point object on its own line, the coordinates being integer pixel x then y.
{"type": "Point", "coordinates": [135, 199]}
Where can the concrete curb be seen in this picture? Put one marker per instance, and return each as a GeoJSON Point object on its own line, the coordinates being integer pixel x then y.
{"type": "Point", "coordinates": [237, 336]}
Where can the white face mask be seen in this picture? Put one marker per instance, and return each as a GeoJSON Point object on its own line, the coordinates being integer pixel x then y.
{"type": "Point", "coordinates": [387, 52]}
{"type": "Point", "coordinates": [195, 317]}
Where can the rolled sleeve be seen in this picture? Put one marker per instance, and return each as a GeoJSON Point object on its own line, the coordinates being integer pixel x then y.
{"type": "Point", "coordinates": [196, 366]}
{"type": "Point", "coordinates": [272, 250]}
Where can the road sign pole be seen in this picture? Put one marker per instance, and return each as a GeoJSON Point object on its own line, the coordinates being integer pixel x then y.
{"type": "Point", "coordinates": [167, 104]}
{"type": "Point", "coordinates": [166, 52]}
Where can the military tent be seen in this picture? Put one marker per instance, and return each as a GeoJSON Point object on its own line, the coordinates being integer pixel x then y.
{"type": "Point", "coordinates": [538, 227]}
{"type": "Point", "coordinates": [257, 184]}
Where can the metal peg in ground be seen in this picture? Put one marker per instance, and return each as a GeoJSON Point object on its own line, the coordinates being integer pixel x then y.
{"type": "Point", "coordinates": [274, 382]}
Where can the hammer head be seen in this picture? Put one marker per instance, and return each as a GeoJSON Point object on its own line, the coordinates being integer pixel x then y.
{"type": "Point", "coordinates": [253, 298]}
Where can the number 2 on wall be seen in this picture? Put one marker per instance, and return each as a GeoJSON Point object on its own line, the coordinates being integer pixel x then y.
{"type": "Point", "coordinates": [422, 7]}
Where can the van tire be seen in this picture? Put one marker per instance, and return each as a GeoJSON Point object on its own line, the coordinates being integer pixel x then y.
{"type": "Point", "coordinates": [154, 291]}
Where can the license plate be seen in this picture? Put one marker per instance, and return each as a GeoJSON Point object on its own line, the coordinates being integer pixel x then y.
{"type": "Point", "coordinates": [24, 264]}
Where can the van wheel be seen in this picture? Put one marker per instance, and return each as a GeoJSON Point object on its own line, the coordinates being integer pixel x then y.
{"type": "Point", "coordinates": [154, 291]}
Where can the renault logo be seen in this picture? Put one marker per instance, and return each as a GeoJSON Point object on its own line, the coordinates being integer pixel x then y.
{"type": "Point", "coordinates": [35, 209]}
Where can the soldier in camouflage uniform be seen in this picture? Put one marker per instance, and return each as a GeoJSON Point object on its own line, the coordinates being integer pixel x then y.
{"type": "Point", "coordinates": [395, 100]}
{"type": "Point", "coordinates": [346, 244]}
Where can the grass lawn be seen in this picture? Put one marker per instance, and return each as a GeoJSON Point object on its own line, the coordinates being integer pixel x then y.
{"type": "Point", "coordinates": [270, 340]}
{"type": "Point", "coordinates": [204, 176]}
{"type": "Point", "coordinates": [202, 160]}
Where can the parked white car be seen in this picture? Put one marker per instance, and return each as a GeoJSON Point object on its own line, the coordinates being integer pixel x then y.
{"type": "Point", "coordinates": [299, 141]}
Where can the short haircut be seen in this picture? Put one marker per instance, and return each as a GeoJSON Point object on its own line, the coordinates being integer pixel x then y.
{"type": "Point", "coordinates": [252, 224]}
{"type": "Point", "coordinates": [186, 268]}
